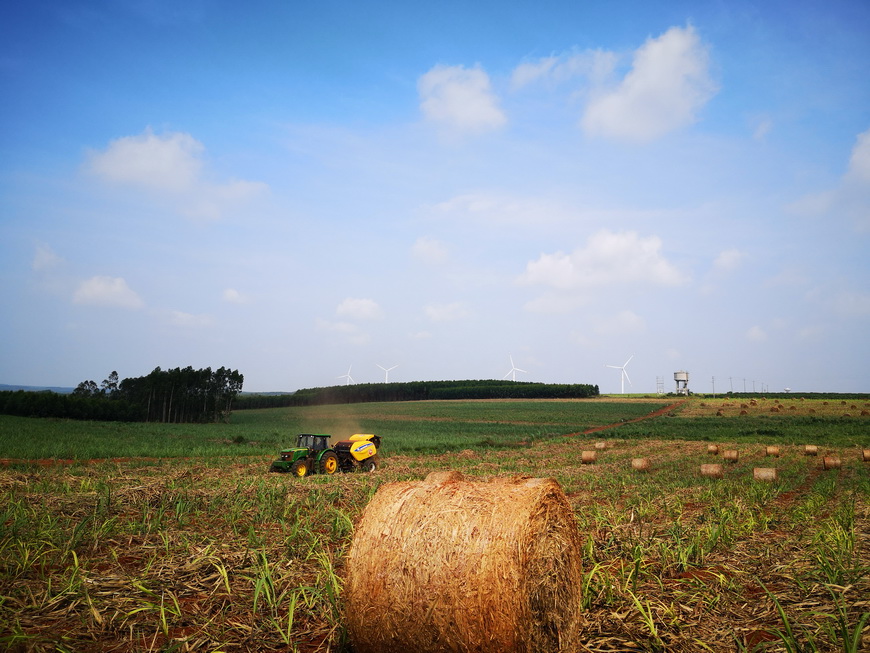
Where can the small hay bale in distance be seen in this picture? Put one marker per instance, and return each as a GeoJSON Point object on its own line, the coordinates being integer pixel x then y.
{"type": "Point", "coordinates": [811, 450]}
{"type": "Point", "coordinates": [713, 449]}
{"type": "Point", "coordinates": [640, 464]}
{"type": "Point", "coordinates": [865, 455]}
{"type": "Point", "coordinates": [712, 470]}
{"type": "Point", "coordinates": [771, 450]}
{"type": "Point", "coordinates": [601, 445]}
{"type": "Point", "coordinates": [831, 462]}
{"type": "Point", "coordinates": [447, 564]}
{"type": "Point", "coordinates": [731, 455]}
{"type": "Point", "coordinates": [588, 457]}
{"type": "Point", "coordinates": [764, 473]}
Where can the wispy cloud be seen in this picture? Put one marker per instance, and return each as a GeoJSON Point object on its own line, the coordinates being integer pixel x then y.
{"type": "Point", "coordinates": [728, 260]}
{"type": "Point", "coordinates": [446, 312]}
{"type": "Point", "coordinates": [851, 197]}
{"type": "Point", "coordinates": [45, 258]}
{"type": "Point", "coordinates": [593, 65]}
{"type": "Point", "coordinates": [190, 320]}
{"type": "Point", "coordinates": [107, 291]}
{"type": "Point", "coordinates": [429, 250]}
{"type": "Point", "coordinates": [499, 207]}
{"type": "Point", "coordinates": [359, 309]}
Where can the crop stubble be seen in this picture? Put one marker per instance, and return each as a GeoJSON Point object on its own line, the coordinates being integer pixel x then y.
{"type": "Point", "coordinates": [132, 556]}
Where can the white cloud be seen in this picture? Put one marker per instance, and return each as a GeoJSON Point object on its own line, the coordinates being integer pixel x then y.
{"type": "Point", "coordinates": [233, 296]}
{"type": "Point", "coordinates": [45, 258]}
{"type": "Point", "coordinates": [667, 86]}
{"type": "Point", "coordinates": [359, 309]}
{"type": "Point", "coordinates": [445, 312]}
{"type": "Point", "coordinates": [166, 163]}
{"type": "Point", "coordinates": [429, 250]}
{"type": "Point", "coordinates": [728, 260]}
{"type": "Point", "coordinates": [170, 166]}
{"type": "Point", "coordinates": [460, 98]}
{"type": "Point", "coordinates": [106, 291]}
{"type": "Point", "coordinates": [756, 334]}
{"type": "Point", "coordinates": [607, 259]}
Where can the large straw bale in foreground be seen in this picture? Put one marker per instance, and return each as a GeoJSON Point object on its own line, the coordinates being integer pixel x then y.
{"type": "Point", "coordinates": [447, 564]}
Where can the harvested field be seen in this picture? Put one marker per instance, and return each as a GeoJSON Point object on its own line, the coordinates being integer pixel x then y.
{"type": "Point", "coordinates": [218, 555]}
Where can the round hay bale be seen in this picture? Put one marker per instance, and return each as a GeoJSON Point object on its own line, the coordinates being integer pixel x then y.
{"type": "Point", "coordinates": [811, 450]}
{"type": "Point", "coordinates": [771, 450]}
{"type": "Point", "coordinates": [865, 455]}
{"type": "Point", "coordinates": [831, 462]}
{"type": "Point", "coordinates": [764, 473]}
{"type": "Point", "coordinates": [731, 455]}
{"type": "Point", "coordinates": [640, 464]}
{"type": "Point", "coordinates": [713, 449]}
{"type": "Point", "coordinates": [712, 470]}
{"type": "Point", "coordinates": [447, 564]}
{"type": "Point", "coordinates": [588, 457]}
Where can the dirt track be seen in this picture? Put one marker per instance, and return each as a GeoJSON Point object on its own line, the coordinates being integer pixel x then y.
{"type": "Point", "coordinates": [655, 413]}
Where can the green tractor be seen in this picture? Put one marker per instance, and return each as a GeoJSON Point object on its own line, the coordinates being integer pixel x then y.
{"type": "Point", "coordinates": [313, 455]}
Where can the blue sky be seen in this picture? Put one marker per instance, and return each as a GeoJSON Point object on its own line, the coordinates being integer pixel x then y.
{"type": "Point", "coordinates": [299, 189]}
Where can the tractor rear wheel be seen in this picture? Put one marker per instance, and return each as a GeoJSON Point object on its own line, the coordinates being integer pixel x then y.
{"type": "Point", "coordinates": [328, 463]}
{"type": "Point", "coordinates": [370, 464]}
{"type": "Point", "coordinates": [299, 469]}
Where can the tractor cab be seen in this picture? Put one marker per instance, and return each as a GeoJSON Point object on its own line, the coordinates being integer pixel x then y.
{"type": "Point", "coordinates": [312, 441]}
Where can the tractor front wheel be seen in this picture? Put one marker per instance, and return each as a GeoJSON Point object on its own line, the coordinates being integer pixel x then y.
{"type": "Point", "coordinates": [299, 469]}
{"type": "Point", "coordinates": [328, 463]}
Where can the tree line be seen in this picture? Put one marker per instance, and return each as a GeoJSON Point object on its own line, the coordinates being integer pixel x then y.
{"type": "Point", "coordinates": [177, 395]}
{"type": "Point", "coordinates": [418, 391]}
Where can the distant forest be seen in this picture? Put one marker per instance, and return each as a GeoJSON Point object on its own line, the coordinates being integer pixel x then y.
{"type": "Point", "coordinates": [418, 391]}
{"type": "Point", "coordinates": [176, 396]}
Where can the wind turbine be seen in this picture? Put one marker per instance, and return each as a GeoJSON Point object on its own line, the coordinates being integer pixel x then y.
{"type": "Point", "coordinates": [347, 376]}
{"type": "Point", "coordinates": [514, 370]}
{"type": "Point", "coordinates": [623, 374]}
{"type": "Point", "coordinates": [387, 372]}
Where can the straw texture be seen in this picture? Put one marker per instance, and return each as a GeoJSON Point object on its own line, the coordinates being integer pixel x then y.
{"type": "Point", "coordinates": [764, 473]}
{"type": "Point", "coordinates": [640, 464]}
{"type": "Point", "coordinates": [713, 470]}
{"type": "Point", "coordinates": [452, 565]}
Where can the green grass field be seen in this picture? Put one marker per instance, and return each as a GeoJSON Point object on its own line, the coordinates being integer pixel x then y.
{"type": "Point", "coordinates": [416, 427]}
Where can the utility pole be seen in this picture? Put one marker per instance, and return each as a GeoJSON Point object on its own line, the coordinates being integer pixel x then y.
{"type": "Point", "coordinates": [714, 386]}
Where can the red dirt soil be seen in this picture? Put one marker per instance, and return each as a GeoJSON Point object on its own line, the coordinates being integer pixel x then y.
{"type": "Point", "coordinates": [655, 413]}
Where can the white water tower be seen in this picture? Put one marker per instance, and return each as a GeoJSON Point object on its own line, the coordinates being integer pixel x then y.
{"type": "Point", "coordinates": [682, 379]}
